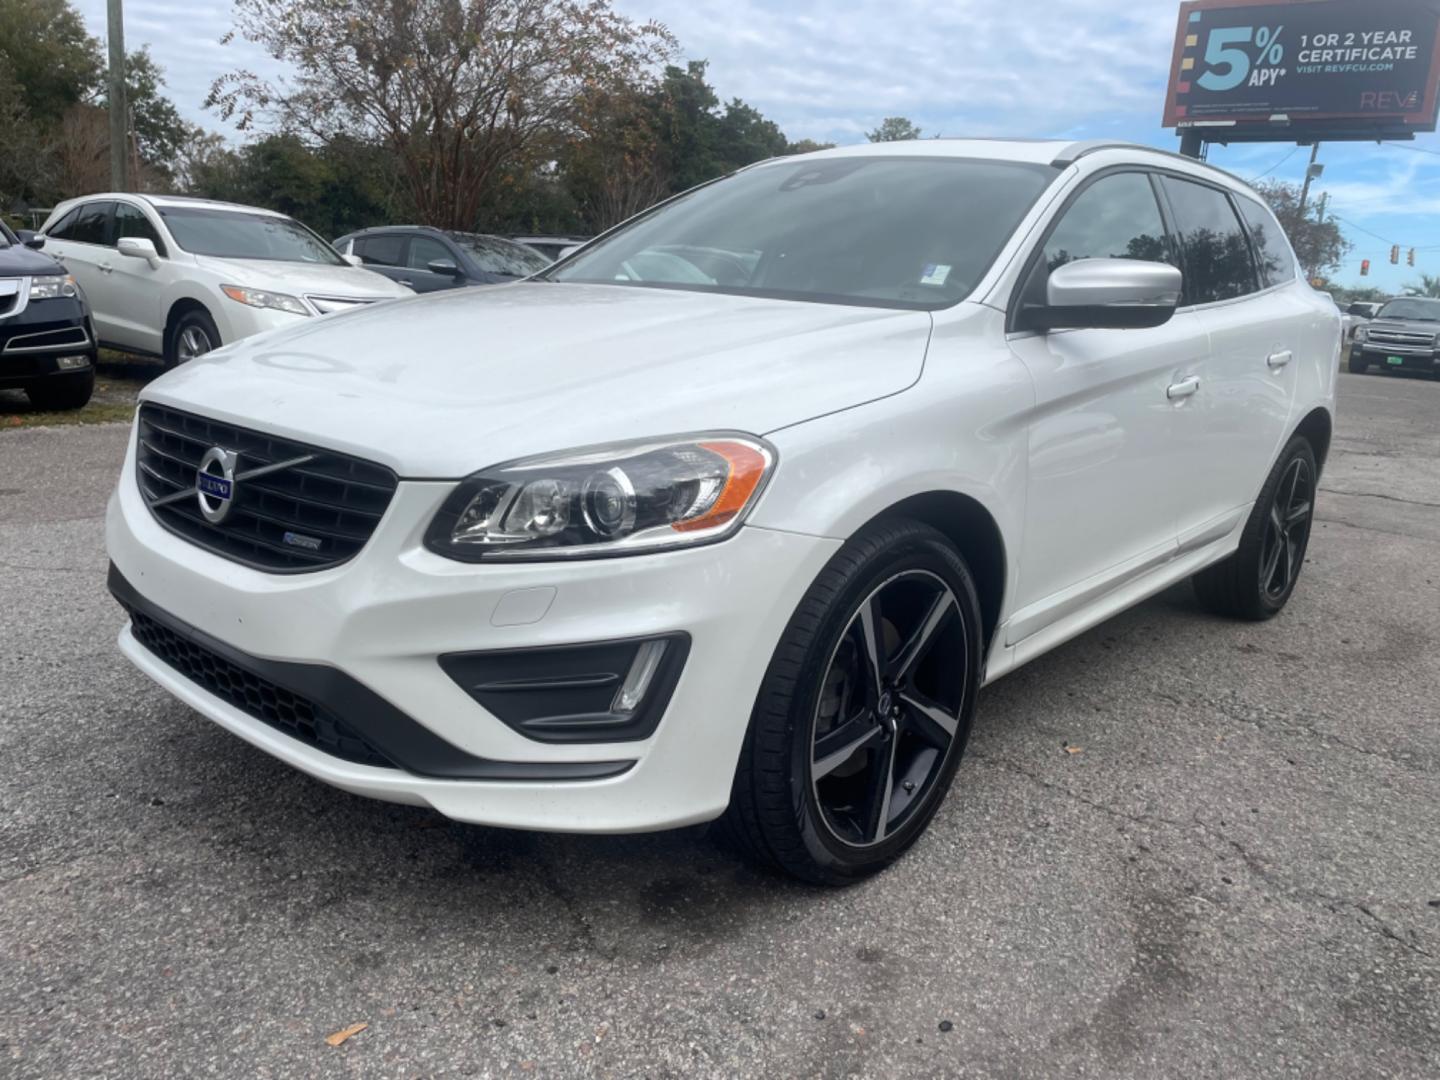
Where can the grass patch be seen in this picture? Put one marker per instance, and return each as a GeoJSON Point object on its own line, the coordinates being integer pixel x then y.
{"type": "Point", "coordinates": [119, 378]}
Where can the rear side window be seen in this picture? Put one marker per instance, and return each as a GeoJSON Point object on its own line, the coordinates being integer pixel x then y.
{"type": "Point", "coordinates": [131, 221]}
{"type": "Point", "coordinates": [1217, 253]}
{"type": "Point", "coordinates": [1272, 251]}
{"type": "Point", "coordinates": [91, 225]}
{"type": "Point", "coordinates": [1116, 217]}
{"type": "Point", "coordinates": [380, 250]}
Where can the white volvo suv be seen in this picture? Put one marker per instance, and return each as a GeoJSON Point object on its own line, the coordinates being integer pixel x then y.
{"type": "Point", "coordinates": [175, 277]}
{"type": "Point", "coordinates": [731, 513]}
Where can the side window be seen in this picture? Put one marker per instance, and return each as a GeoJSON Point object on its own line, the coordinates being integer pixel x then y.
{"type": "Point", "coordinates": [62, 228]}
{"type": "Point", "coordinates": [1273, 257]}
{"type": "Point", "coordinates": [1116, 217]}
{"type": "Point", "coordinates": [131, 221]}
{"type": "Point", "coordinates": [382, 250]}
{"type": "Point", "coordinates": [1217, 253]}
{"type": "Point", "coordinates": [92, 225]}
{"type": "Point", "coordinates": [426, 249]}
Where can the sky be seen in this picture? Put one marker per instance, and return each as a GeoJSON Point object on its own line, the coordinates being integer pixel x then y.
{"type": "Point", "coordinates": [832, 70]}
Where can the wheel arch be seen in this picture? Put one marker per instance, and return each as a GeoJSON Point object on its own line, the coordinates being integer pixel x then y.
{"type": "Point", "coordinates": [178, 308]}
{"type": "Point", "coordinates": [1317, 428]}
{"type": "Point", "coordinates": [973, 530]}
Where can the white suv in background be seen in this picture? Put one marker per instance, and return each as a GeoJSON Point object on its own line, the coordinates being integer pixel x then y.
{"type": "Point", "coordinates": [732, 512]}
{"type": "Point", "coordinates": [176, 277]}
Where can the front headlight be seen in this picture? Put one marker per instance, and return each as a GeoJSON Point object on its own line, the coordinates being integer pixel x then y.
{"type": "Point", "coordinates": [53, 287]}
{"type": "Point", "coordinates": [1361, 333]}
{"type": "Point", "coordinates": [262, 299]}
{"type": "Point", "coordinates": [617, 499]}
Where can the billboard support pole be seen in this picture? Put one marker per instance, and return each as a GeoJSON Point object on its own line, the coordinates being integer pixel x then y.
{"type": "Point", "coordinates": [1192, 145]}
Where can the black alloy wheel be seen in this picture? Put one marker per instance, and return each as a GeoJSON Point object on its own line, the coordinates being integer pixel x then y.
{"type": "Point", "coordinates": [1287, 531]}
{"type": "Point", "coordinates": [889, 708]}
{"type": "Point", "coordinates": [1256, 582]}
{"type": "Point", "coordinates": [864, 711]}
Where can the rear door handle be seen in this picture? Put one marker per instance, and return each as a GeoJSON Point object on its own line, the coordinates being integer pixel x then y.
{"type": "Point", "coordinates": [403, 281]}
{"type": "Point", "coordinates": [1184, 388]}
{"type": "Point", "coordinates": [1278, 360]}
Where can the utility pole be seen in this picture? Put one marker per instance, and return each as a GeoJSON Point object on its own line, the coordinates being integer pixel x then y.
{"type": "Point", "coordinates": [1310, 174]}
{"type": "Point", "coordinates": [1320, 210]}
{"type": "Point", "coordinates": [119, 108]}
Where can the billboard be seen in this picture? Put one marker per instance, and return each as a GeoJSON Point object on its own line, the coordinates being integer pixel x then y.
{"type": "Point", "coordinates": [1353, 65]}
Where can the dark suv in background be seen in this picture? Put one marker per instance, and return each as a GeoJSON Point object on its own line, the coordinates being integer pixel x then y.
{"type": "Point", "coordinates": [428, 259]}
{"type": "Point", "coordinates": [1404, 335]}
{"type": "Point", "coordinates": [47, 346]}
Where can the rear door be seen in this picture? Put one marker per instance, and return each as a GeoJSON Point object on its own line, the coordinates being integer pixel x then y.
{"type": "Point", "coordinates": [84, 242]}
{"type": "Point", "coordinates": [1249, 300]}
{"type": "Point", "coordinates": [1105, 474]}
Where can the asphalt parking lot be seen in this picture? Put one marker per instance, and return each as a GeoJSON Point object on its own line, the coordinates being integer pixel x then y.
{"type": "Point", "coordinates": [1177, 847]}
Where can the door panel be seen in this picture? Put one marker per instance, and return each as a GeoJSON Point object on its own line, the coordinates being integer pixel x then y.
{"type": "Point", "coordinates": [1103, 488]}
{"type": "Point", "coordinates": [422, 252]}
{"type": "Point", "coordinates": [136, 287]}
{"type": "Point", "coordinates": [85, 246]}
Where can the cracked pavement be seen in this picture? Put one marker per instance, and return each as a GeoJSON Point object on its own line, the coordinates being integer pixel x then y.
{"type": "Point", "coordinates": [1237, 874]}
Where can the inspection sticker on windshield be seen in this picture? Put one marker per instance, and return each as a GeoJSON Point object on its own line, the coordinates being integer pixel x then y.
{"type": "Point", "coordinates": [935, 274]}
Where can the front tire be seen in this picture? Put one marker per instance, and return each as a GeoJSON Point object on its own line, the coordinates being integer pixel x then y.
{"type": "Point", "coordinates": [865, 709]}
{"type": "Point", "coordinates": [193, 335]}
{"type": "Point", "coordinates": [1358, 365]}
{"type": "Point", "coordinates": [62, 393]}
{"type": "Point", "coordinates": [1257, 581]}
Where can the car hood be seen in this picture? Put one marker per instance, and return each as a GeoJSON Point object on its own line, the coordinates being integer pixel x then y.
{"type": "Point", "coordinates": [443, 385]}
{"type": "Point", "coordinates": [302, 279]}
{"type": "Point", "coordinates": [20, 261]}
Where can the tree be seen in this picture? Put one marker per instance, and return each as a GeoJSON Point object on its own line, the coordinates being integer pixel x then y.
{"type": "Point", "coordinates": [55, 63]}
{"type": "Point", "coordinates": [807, 146]}
{"type": "Point", "coordinates": [461, 92]}
{"type": "Point", "coordinates": [1428, 285]}
{"type": "Point", "coordinates": [1319, 245]}
{"type": "Point", "coordinates": [157, 128]}
{"type": "Point", "coordinates": [894, 129]}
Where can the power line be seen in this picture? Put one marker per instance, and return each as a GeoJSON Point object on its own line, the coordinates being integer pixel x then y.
{"type": "Point", "coordinates": [1293, 151]}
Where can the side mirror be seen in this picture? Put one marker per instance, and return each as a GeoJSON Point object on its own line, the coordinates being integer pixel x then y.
{"type": "Point", "coordinates": [138, 247]}
{"type": "Point", "coordinates": [443, 266]}
{"type": "Point", "coordinates": [30, 238]}
{"type": "Point", "coordinates": [353, 260]}
{"type": "Point", "coordinates": [1107, 294]}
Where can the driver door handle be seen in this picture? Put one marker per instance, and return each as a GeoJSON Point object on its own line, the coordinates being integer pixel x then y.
{"type": "Point", "coordinates": [105, 268]}
{"type": "Point", "coordinates": [1183, 389]}
{"type": "Point", "coordinates": [1278, 360]}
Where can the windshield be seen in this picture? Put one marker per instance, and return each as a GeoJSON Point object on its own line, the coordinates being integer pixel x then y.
{"type": "Point", "coordinates": [232, 234]}
{"type": "Point", "coordinates": [494, 255]}
{"type": "Point", "coordinates": [898, 232]}
{"type": "Point", "coordinates": [1416, 308]}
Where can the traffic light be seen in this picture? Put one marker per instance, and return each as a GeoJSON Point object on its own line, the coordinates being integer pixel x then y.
{"type": "Point", "coordinates": [1364, 267]}
{"type": "Point", "coordinates": [1411, 257]}
{"type": "Point", "coordinates": [1395, 253]}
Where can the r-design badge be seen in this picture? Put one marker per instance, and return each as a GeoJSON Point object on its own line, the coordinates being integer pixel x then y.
{"type": "Point", "coordinates": [215, 483]}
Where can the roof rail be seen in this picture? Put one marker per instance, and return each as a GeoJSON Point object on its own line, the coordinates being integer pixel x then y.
{"type": "Point", "coordinates": [1077, 150]}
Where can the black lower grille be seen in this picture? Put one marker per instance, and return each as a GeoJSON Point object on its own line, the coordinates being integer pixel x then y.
{"type": "Point", "coordinates": [317, 509]}
{"type": "Point", "coordinates": [296, 716]}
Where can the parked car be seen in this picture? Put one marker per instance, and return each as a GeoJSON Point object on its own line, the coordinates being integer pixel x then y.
{"type": "Point", "coordinates": [427, 260]}
{"type": "Point", "coordinates": [626, 548]}
{"type": "Point", "coordinates": [47, 347]}
{"type": "Point", "coordinates": [1404, 335]}
{"type": "Point", "coordinates": [176, 277]}
{"type": "Point", "coordinates": [552, 247]}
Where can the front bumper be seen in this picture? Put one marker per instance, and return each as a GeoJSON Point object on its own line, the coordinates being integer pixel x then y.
{"type": "Point", "coordinates": [33, 342]}
{"type": "Point", "coordinates": [383, 619]}
{"type": "Point", "coordinates": [1402, 357]}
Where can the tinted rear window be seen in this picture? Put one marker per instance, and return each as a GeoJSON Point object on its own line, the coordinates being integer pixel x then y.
{"type": "Point", "coordinates": [1217, 252]}
{"type": "Point", "coordinates": [1272, 250]}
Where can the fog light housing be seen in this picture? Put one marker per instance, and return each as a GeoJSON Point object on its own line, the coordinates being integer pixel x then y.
{"type": "Point", "coordinates": [72, 363]}
{"type": "Point", "coordinates": [613, 691]}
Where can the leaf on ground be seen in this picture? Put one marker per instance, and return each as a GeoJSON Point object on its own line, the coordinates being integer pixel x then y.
{"type": "Point", "coordinates": [1074, 749]}
{"type": "Point", "coordinates": [346, 1033]}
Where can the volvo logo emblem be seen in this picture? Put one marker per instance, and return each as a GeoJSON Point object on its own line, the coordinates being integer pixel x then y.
{"type": "Point", "coordinates": [215, 483]}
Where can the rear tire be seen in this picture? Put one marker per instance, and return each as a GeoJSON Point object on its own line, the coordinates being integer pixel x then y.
{"type": "Point", "coordinates": [1257, 581]}
{"type": "Point", "coordinates": [62, 393]}
{"type": "Point", "coordinates": [192, 334]}
{"type": "Point", "coordinates": [843, 767]}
